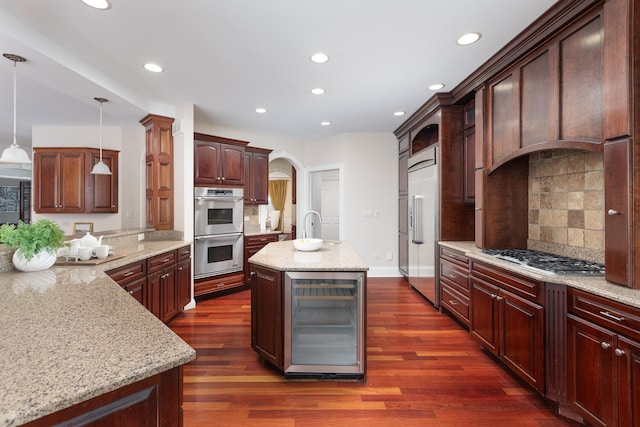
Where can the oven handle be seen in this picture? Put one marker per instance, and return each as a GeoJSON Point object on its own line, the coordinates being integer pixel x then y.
{"type": "Point", "coordinates": [211, 236]}
{"type": "Point", "coordinates": [220, 199]}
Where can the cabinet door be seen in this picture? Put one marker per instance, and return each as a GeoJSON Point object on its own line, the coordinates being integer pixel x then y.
{"type": "Point", "coordinates": [260, 178]}
{"type": "Point", "coordinates": [484, 315]}
{"type": "Point", "coordinates": [469, 165]}
{"type": "Point", "coordinates": [232, 164]}
{"type": "Point", "coordinates": [102, 191]}
{"type": "Point", "coordinates": [522, 338]}
{"type": "Point", "coordinates": [267, 314]}
{"type": "Point", "coordinates": [137, 289]}
{"type": "Point", "coordinates": [72, 182]}
{"type": "Point", "coordinates": [154, 293]}
{"type": "Point", "coordinates": [628, 358]}
{"type": "Point", "coordinates": [45, 185]}
{"type": "Point", "coordinates": [169, 294]}
{"type": "Point", "coordinates": [617, 256]}
{"type": "Point", "coordinates": [206, 168]}
{"type": "Point", "coordinates": [183, 283]}
{"type": "Point", "coordinates": [591, 371]}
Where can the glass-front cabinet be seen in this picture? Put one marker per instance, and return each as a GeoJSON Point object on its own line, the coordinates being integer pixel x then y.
{"type": "Point", "coordinates": [323, 323]}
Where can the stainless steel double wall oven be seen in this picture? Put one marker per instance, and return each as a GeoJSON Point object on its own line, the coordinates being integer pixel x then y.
{"type": "Point", "coordinates": [218, 230]}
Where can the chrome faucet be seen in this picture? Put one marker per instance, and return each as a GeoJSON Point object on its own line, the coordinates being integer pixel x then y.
{"type": "Point", "coordinates": [304, 222]}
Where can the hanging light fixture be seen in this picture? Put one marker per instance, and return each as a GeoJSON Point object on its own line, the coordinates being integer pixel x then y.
{"type": "Point", "coordinates": [14, 154]}
{"type": "Point", "coordinates": [101, 168]}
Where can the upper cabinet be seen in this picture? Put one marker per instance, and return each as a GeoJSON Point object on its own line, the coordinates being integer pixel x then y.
{"type": "Point", "coordinates": [256, 176]}
{"type": "Point", "coordinates": [63, 182]}
{"type": "Point", "coordinates": [218, 161]}
{"type": "Point", "coordinates": [552, 98]}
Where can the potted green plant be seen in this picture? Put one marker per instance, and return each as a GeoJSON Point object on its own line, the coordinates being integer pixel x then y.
{"type": "Point", "coordinates": [35, 244]}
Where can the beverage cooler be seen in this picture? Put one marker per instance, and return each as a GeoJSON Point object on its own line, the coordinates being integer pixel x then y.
{"type": "Point", "coordinates": [324, 324]}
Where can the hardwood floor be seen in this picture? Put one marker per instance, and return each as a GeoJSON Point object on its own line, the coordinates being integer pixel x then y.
{"type": "Point", "coordinates": [423, 369]}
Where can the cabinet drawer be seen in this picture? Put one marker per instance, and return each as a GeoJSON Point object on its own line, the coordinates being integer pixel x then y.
{"type": "Point", "coordinates": [160, 261]}
{"type": "Point", "coordinates": [260, 240]}
{"type": "Point", "coordinates": [128, 273]}
{"type": "Point", "coordinates": [519, 285]}
{"type": "Point", "coordinates": [206, 286]}
{"type": "Point", "coordinates": [184, 253]}
{"type": "Point", "coordinates": [616, 316]}
{"type": "Point", "coordinates": [456, 303]}
{"type": "Point", "coordinates": [455, 274]}
{"type": "Point", "coordinates": [454, 256]}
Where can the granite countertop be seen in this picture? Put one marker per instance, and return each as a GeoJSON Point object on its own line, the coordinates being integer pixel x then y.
{"type": "Point", "coordinates": [70, 333]}
{"type": "Point", "coordinates": [596, 285]}
{"type": "Point", "coordinates": [332, 256]}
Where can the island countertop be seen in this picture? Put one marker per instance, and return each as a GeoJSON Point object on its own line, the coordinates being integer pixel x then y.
{"type": "Point", "coordinates": [332, 256]}
{"type": "Point", "coordinates": [70, 333]}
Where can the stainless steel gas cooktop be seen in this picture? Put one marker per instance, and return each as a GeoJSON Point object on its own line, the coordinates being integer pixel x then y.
{"type": "Point", "coordinates": [547, 263]}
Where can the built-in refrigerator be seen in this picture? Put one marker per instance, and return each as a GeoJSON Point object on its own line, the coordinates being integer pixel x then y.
{"type": "Point", "coordinates": [423, 223]}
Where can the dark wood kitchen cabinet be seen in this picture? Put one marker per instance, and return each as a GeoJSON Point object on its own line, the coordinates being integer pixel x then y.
{"type": "Point", "coordinates": [403, 206]}
{"type": "Point", "coordinates": [256, 176]}
{"type": "Point", "coordinates": [159, 186]}
{"type": "Point", "coordinates": [63, 182]}
{"type": "Point", "coordinates": [133, 279]}
{"type": "Point", "coordinates": [603, 360]}
{"type": "Point", "coordinates": [454, 284]}
{"type": "Point", "coordinates": [218, 161]}
{"type": "Point", "coordinates": [252, 244]}
{"type": "Point", "coordinates": [266, 315]}
{"type": "Point", "coordinates": [161, 283]}
{"type": "Point", "coordinates": [183, 276]}
{"type": "Point", "coordinates": [507, 318]}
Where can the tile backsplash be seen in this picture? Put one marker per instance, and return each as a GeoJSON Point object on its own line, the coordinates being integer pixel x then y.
{"type": "Point", "coordinates": [566, 203]}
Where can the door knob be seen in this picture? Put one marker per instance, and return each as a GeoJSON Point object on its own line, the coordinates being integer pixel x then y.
{"type": "Point", "coordinates": [612, 212]}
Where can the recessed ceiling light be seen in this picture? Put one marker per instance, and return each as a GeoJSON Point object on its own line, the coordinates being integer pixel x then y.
{"type": "Point", "coordinates": [98, 4]}
{"type": "Point", "coordinates": [325, 123]}
{"type": "Point", "coordinates": [317, 91]}
{"type": "Point", "coordinates": [154, 68]}
{"type": "Point", "coordinates": [261, 110]}
{"type": "Point", "coordinates": [319, 58]}
{"type": "Point", "coordinates": [399, 113]}
{"type": "Point", "coordinates": [436, 86]}
{"type": "Point", "coordinates": [468, 38]}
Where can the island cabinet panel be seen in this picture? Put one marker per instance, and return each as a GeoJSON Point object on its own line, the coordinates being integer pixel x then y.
{"type": "Point", "coordinates": [267, 314]}
{"type": "Point", "coordinates": [507, 318]}
{"type": "Point", "coordinates": [152, 402]}
{"type": "Point", "coordinates": [603, 360]}
{"type": "Point", "coordinates": [256, 179]}
{"type": "Point", "coordinates": [218, 161]}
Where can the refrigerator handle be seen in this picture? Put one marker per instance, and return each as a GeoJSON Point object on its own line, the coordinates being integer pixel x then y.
{"type": "Point", "coordinates": [418, 201]}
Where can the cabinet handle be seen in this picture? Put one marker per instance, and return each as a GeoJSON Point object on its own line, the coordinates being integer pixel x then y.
{"type": "Point", "coordinates": [180, 268]}
{"type": "Point", "coordinates": [452, 302]}
{"type": "Point", "coordinates": [223, 178]}
{"type": "Point", "coordinates": [605, 345]}
{"type": "Point", "coordinates": [130, 292]}
{"type": "Point", "coordinates": [494, 296]}
{"type": "Point", "coordinates": [619, 352]}
{"type": "Point", "coordinates": [499, 298]}
{"type": "Point", "coordinates": [220, 285]}
{"type": "Point", "coordinates": [478, 209]}
{"type": "Point", "coordinates": [611, 316]}
{"type": "Point", "coordinates": [166, 260]}
{"type": "Point", "coordinates": [452, 276]}
{"type": "Point", "coordinates": [612, 212]}
{"type": "Point", "coordinates": [128, 273]}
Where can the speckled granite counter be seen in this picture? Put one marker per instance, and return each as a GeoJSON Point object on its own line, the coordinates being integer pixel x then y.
{"type": "Point", "coordinates": [71, 333]}
{"type": "Point", "coordinates": [283, 256]}
{"type": "Point", "coordinates": [596, 285]}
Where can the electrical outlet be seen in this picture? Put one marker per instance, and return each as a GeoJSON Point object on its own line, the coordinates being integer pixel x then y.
{"type": "Point", "coordinates": [376, 256]}
{"type": "Point", "coordinates": [140, 236]}
{"type": "Point", "coordinates": [389, 256]}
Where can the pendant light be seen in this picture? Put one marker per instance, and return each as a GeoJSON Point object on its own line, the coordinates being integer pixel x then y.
{"type": "Point", "coordinates": [14, 154]}
{"type": "Point", "coordinates": [101, 168]}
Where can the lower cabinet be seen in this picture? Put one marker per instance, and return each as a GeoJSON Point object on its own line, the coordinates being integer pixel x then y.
{"type": "Point", "coordinates": [161, 283]}
{"type": "Point", "coordinates": [266, 315]}
{"type": "Point", "coordinates": [604, 360]}
{"type": "Point", "coordinates": [454, 284]}
{"type": "Point", "coordinates": [507, 318]}
{"type": "Point", "coordinates": [154, 401]}
{"type": "Point", "coordinates": [252, 244]}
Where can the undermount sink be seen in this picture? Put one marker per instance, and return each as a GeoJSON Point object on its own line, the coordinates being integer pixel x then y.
{"type": "Point", "coordinates": [307, 245]}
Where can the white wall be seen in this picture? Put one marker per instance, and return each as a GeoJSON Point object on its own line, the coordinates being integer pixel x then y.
{"type": "Point", "coordinates": [130, 142]}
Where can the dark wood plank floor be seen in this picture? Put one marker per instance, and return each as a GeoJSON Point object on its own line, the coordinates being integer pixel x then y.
{"type": "Point", "coordinates": [423, 370]}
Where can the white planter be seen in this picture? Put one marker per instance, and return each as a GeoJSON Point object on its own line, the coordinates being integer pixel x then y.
{"type": "Point", "coordinates": [41, 261]}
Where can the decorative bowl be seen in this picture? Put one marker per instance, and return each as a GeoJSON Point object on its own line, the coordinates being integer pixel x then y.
{"type": "Point", "coordinates": [307, 245]}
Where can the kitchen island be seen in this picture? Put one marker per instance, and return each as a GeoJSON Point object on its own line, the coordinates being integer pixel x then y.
{"type": "Point", "coordinates": [308, 310]}
{"type": "Point", "coordinates": [73, 343]}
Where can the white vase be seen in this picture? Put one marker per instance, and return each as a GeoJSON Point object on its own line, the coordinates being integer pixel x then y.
{"type": "Point", "coordinates": [40, 261]}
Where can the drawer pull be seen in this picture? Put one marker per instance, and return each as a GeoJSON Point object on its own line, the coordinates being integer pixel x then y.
{"type": "Point", "coordinates": [452, 302]}
{"type": "Point", "coordinates": [130, 292]}
{"type": "Point", "coordinates": [619, 352]}
{"type": "Point", "coordinates": [128, 273]}
{"type": "Point", "coordinates": [494, 296]}
{"type": "Point", "coordinates": [605, 345]}
{"type": "Point", "coordinates": [220, 285]}
{"type": "Point", "coordinates": [164, 261]}
{"type": "Point", "coordinates": [499, 298]}
{"type": "Point", "coordinates": [452, 276]}
{"type": "Point", "coordinates": [611, 316]}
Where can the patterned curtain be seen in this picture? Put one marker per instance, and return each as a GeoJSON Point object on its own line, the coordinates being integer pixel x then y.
{"type": "Point", "coordinates": [278, 194]}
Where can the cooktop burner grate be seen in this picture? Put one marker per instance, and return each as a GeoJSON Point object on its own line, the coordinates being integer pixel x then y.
{"type": "Point", "coordinates": [546, 262]}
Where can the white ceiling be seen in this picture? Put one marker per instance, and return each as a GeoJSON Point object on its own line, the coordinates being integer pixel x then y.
{"type": "Point", "coordinates": [227, 57]}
